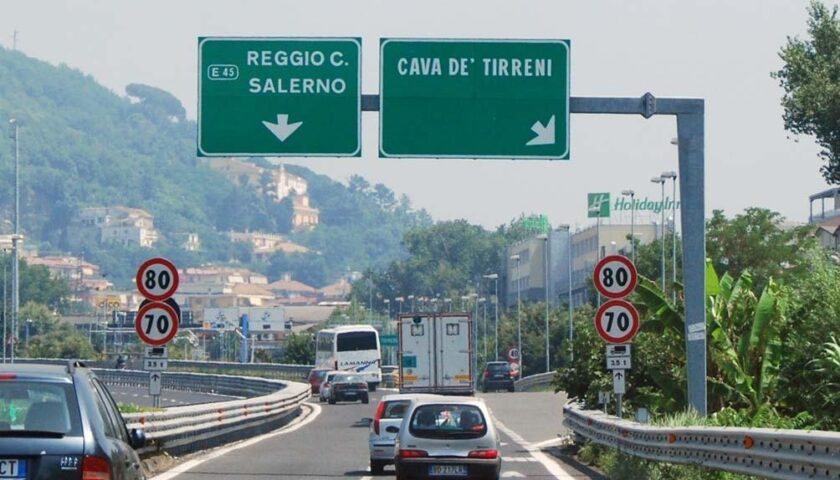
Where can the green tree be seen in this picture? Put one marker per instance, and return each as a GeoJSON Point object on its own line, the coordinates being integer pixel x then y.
{"type": "Point", "coordinates": [63, 342]}
{"type": "Point", "coordinates": [810, 78]}
{"type": "Point", "coordinates": [43, 320]}
{"type": "Point", "coordinates": [299, 349]}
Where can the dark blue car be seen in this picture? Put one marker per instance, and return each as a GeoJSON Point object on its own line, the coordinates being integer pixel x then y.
{"type": "Point", "coordinates": [60, 422]}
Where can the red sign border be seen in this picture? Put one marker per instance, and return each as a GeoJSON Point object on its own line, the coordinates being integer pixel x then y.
{"type": "Point", "coordinates": [138, 278]}
{"type": "Point", "coordinates": [138, 327]}
{"type": "Point", "coordinates": [633, 313]}
{"type": "Point", "coordinates": [634, 276]}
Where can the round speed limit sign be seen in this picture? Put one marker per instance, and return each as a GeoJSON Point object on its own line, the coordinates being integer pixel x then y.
{"type": "Point", "coordinates": [157, 279]}
{"type": "Point", "coordinates": [156, 323]}
{"type": "Point", "coordinates": [615, 276]}
{"type": "Point", "coordinates": [617, 321]}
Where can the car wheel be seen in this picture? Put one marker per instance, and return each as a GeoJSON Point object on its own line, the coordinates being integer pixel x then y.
{"type": "Point", "coordinates": [377, 467]}
{"type": "Point", "coordinates": [332, 401]}
{"type": "Point", "coordinates": [511, 388]}
{"type": "Point", "coordinates": [371, 387]}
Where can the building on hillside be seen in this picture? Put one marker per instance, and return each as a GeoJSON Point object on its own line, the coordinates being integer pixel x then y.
{"type": "Point", "coordinates": [70, 269]}
{"type": "Point", "coordinates": [286, 184]}
{"type": "Point", "coordinates": [292, 292]}
{"type": "Point", "coordinates": [304, 216]}
{"type": "Point", "coordinates": [122, 225]}
{"type": "Point", "coordinates": [25, 250]}
{"type": "Point", "coordinates": [337, 291]}
{"type": "Point", "coordinates": [266, 244]}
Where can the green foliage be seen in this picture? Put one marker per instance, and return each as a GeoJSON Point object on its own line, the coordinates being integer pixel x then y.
{"type": "Point", "coordinates": [299, 349]}
{"type": "Point", "coordinates": [43, 320]}
{"type": "Point", "coordinates": [62, 342]}
{"type": "Point", "coordinates": [35, 285]}
{"type": "Point", "coordinates": [810, 78]}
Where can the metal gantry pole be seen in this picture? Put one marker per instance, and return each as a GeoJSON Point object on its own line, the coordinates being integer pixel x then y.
{"type": "Point", "coordinates": [674, 241]}
{"type": "Point", "coordinates": [4, 310]}
{"type": "Point", "coordinates": [662, 228]}
{"type": "Point", "coordinates": [519, 317]}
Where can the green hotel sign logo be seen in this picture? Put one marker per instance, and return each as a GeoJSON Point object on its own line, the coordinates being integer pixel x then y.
{"type": "Point", "coordinates": [599, 205]}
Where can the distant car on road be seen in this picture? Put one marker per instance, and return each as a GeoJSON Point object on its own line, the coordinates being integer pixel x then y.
{"type": "Point", "coordinates": [60, 422]}
{"type": "Point", "coordinates": [389, 413]}
{"type": "Point", "coordinates": [324, 388]}
{"type": "Point", "coordinates": [348, 387]}
{"type": "Point", "coordinates": [452, 437]}
{"type": "Point", "coordinates": [316, 378]}
{"type": "Point", "coordinates": [497, 376]}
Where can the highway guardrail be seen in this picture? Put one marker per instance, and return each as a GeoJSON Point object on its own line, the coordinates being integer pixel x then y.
{"type": "Point", "coordinates": [771, 453]}
{"type": "Point", "coordinates": [533, 381]}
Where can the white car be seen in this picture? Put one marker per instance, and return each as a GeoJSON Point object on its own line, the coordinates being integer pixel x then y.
{"type": "Point", "coordinates": [324, 391]}
{"type": "Point", "coordinates": [389, 413]}
{"type": "Point", "coordinates": [447, 437]}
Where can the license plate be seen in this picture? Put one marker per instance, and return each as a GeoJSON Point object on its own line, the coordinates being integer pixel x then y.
{"type": "Point", "coordinates": [12, 468]}
{"type": "Point", "coordinates": [448, 470]}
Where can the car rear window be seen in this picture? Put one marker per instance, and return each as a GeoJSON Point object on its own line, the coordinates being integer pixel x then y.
{"type": "Point", "coordinates": [498, 367]}
{"type": "Point", "coordinates": [348, 379]}
{"type": "Point", "coordinates": [395, 409]}
{"type": "Point", "coordinates": [31, 406]}
{"type": "Point", "coordinates": [355, 341]}
{"type": "Point", "coordinates": [447, 421]}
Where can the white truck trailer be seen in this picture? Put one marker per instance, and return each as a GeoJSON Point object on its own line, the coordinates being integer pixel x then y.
{"type": "Point", "coordinates": [435, 353]}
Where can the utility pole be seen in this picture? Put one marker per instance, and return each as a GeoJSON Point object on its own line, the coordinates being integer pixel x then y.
{"type": "Point", "coordinates": [15, 134]}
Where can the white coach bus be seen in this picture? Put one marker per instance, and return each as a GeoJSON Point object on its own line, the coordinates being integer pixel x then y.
{"type": "Point", "coordinates": [352, 348]}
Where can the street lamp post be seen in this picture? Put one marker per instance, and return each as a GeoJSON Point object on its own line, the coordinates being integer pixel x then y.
{"type": "Point", "coordinates": [483, 302]}
{"type": "Point", "coordinates": [632, 195]}
{"type": "Point", "coordinates": [411, 297]}
{"type": "Point", "coordinates": [15, 135]}
{"type": "Point", "coordinates": [661, 182]}
{"type": "Point", "coordinates": [28, 324]}
{"type": "Point", "coordinates": [399, 304]}
{"type": "Point", "coordinates": [495, 276]}
{"type": "Point", "coordinates": [544, 238]}
{"type": "Point", "coordinates": [515, 258]}
{"type": "Point", "coordinates": [568, 229]}
{"type": "Point", "coordinates": [673, 177]}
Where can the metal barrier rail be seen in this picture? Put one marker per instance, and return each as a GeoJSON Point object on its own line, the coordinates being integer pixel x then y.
{"type": "Point", "coordinates": [781, 454]}
{"type": "Point", "coordinates": [531, 381]}
{"type": "Point", "coordinates": [276, 370]}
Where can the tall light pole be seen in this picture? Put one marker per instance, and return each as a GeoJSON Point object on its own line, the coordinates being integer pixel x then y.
{"type": "Point", "coordinates": [399, 304]}
{"type": "Point", "coordinates": [544, 238]}
{"type": "Point", "coordinates": [411, 297]}
{"type": "Point", "coordinates": [483, 302]}
{"type": "Point", "coordinates": [632, 195]}
{"type": "Point", "coordinates": [495, 276]}
{"type": "Point", "coordinates": [568, 229]}
{"type": "Point", "coordinates": [661, 182]}
{"type": "Point", "coordinates": [673, 177]}
{"type": "Point", "coordinates": [15, 135]}
{"type": "Point", "coordinates": [515, 258]}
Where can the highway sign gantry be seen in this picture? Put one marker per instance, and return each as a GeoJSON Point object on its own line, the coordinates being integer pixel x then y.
{"type": "Point", "coordinates": [156, 323]}
{"type": "Point", "coordinates": [615, 276]}
{"type": "Point", "coordinates": [157, 279]}
{"type": "Point", "coordinates": [617, 321]}
{"type": "Point", "coordinates": [279, 96]}
{"type": "Point", "coordinates": [474, 98]}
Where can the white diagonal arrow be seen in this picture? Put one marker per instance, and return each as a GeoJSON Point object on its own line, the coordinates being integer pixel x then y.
{"type": "Point", "coordinates": [545, 133]}
{"type": "Point", "coordinates": [282, 129]}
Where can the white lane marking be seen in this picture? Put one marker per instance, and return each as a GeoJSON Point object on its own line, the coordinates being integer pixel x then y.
{"type": "Point", "coordinates": [552, 466]}
{"type": "Point", "coordinates": [551, 442]}
{"type": "Point", "coordinates": [520, 459]}
{"type": "Point", "coordinates": [512, 475]}
{"type": "Point", "coordinates": [184, 467]}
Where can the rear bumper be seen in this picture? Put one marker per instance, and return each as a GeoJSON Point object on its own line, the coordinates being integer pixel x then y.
{"type": "Point", "coordinates": [476, 468]}
{"type": "Point", "coordinates": [498, 384]}
{"type": "Point", "coordinates": [381, 451]}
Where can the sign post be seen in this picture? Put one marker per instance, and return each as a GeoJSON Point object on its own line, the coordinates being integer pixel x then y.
{"type": "Point", "coordinates": [279, 96]}
{"type": "Point", "coordinates": [474, 98]}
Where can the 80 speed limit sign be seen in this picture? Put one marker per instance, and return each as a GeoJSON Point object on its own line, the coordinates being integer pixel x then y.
{"type": "Point", "coordinates": [157, 279]}
{"type": "Point", "coordinates": [156, 323]}
{"type": "Point", "coordinates": [617, 321]}
{"type": "Point", "coordinates": [615, 276]}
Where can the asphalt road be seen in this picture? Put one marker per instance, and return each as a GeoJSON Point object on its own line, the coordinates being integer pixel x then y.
{"type": "Point", "coordinates": [168, 398]}
{"type": "Point", "coordinates": [334, 445]}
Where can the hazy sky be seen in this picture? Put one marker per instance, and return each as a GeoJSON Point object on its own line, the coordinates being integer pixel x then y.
{"type": "Point", "coordinates": [720, 50]}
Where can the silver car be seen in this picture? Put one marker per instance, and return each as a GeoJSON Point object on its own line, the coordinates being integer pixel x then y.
{"type": "Point", "coordinates": [324, 390]}
{"type": "Point", "coordinates": [389, 413]}
{"type": "Point", "coordinates": [449, 437]}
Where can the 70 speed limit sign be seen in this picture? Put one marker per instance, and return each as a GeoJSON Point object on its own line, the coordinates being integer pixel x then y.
{"type": "Point", "coordinates": [615, 276]}
{"type": "Point", "coordinates": [156, 323]}
{"type": "Point", "coordinates": [617, 321]}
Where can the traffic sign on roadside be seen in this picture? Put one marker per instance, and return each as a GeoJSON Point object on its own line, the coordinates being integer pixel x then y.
{"type": "Point", "coordinates": [618, 357]}
{"type": "Point", "coordinates": [615, 276]}
{"type": "Point", "coordinates": [474, 98]}
{"type": "Point", "coordinates": [617, 321]}
{"type": "Point", "coordinates": [513, 354]}
{"type": "Point", "coordinates": [157, 279]}
{"type": "Point", "coordinates": [388, 340]}
{"type": "Point", "coordinates": [155, 383]}
{"type": "Point", "coordinates": [156, 323]}
{"type": "Point", "coordinates": [279, 96]}
{"type": "Point", "coordinates": [618, 382]}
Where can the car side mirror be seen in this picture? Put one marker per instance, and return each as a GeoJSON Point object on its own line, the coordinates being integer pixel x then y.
{"type": "Point", "coordinates": [392, 429]}
{"type": "Point", "coordinates": [137, 438]}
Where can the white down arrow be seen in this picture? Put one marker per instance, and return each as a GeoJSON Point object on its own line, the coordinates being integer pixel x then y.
{"type": "Point", "coordinates": [282, 129]}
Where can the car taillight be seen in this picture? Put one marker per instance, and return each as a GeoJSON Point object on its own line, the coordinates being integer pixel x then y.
{"type": "Point", "coordinates": [380, 410]}
{"type": "Point", "coordinates": [486, 374]}
{"type": "Point", "coordinates": [486, 454]}
{"type": "Point", "coordinates": [95, 468]}
{"type": "Point", "coordinates": [361, 385]}
{"type": "Point", "coordinates": [325, 384]}
{"type": "Point", "coordinates": [406, 453]}
{"type": "Point", "coordinates": [8, 376]}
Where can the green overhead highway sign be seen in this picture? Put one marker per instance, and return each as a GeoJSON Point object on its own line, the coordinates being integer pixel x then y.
{"type": "Point", "coordinates": [474, 98]}
{"type": "Point", "coordinates": [279, 96]}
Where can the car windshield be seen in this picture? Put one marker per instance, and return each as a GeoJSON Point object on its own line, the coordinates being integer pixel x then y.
{"type": "Point", "coordinates": [28, 406]}
{"type": "Point", "coordinates": [348, 379]}
{"type": "Point", "coordinates": [395, 409]}
{"type": "Point", "coordinates": [498, 367]}
{"type": "Point", "coordinates": [447, 421]}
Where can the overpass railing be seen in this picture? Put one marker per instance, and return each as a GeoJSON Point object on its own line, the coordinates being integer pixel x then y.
{"type": "Point", "coordinates": [533, 381]}
{"type": "Point", "coordinates": [771, 453]}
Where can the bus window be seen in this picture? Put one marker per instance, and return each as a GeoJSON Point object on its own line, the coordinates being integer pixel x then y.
{"type": "Point", "coordinates": [354, 341]}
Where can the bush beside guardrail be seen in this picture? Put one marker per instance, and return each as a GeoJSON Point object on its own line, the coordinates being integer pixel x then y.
{"type": "Point", "coordinates": [781, 454]}
{"type": "Point", "coordinates": [533, 381]}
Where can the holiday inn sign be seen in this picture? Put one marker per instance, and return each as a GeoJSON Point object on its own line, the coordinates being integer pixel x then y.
{"type": "Point", "coordinates": [599, 204]}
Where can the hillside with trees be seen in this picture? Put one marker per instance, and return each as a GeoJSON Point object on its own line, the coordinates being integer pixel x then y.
{"type": "Point", "coordinates": [82, 145]}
